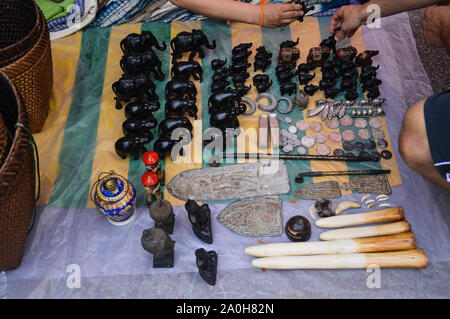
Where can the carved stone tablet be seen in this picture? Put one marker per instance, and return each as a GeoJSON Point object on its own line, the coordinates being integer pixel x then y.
{"type": "Point", "coordinates": [254, 217]}
{"type": "Point", "coordinates": [231, 182]}
{"type": "Point", "coordinates": [375, 184]}
{"type": "Point", "coordinates": [319, 190]}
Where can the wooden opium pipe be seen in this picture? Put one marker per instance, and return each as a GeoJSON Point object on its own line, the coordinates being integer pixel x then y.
{"type": "Point", "coordinates": [369, 231]}
{"type": "Point", "coordinates": [414, 258]}
{"type": "Point", "coordinates": [392, 214]}
{"type": "Point", "coordinates": [403, 241]}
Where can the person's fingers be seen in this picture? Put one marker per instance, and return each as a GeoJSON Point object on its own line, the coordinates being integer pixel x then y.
{"type": "Point", "coordinates": [291, 14]}
{"type": "Point", "coordinates": [340, 35]}
{"type": "Point", "coordinates": [336, 22]}
{"type": "Point", "coordinates": [229, 23]}
{"type": "Point", "coordinates": [291, 7]}
{"type": "Point", "coordinates": [287, 21]}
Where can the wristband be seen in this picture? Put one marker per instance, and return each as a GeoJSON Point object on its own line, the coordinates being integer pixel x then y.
{"type": "Point", "coordinates": [262, 11]}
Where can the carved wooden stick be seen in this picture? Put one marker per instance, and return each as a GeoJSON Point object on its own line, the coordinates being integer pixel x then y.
{"type": "Point", "coordinates": [370, 231]}
{"type": "Point", "coordinates": [392, 214]}
{"type": "Point", "coordinates": [403, 241]}
{"type": "Point", "coordinates": [414, 258]}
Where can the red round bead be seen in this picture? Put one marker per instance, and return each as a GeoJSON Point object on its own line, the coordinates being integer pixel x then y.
{"type": "Point", "coordinates": [150, 158]}
{"type": "Point", "coordinates": [149, 179]}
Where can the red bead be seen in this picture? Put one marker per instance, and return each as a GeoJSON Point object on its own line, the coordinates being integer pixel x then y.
{"type": "Point", "coordinates": [149, 179]}
{"type": "Point", "coordinates": [150, 158]}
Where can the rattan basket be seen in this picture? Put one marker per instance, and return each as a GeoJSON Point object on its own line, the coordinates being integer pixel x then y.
{"type": "Point", "coordinates": [17, 179]}
{"type": "Point", "coordinates": [5, 141]}
{"type": "Point", "coordinates": [32, 75]}
{"type": "Point", "coordinates": [20, 28]}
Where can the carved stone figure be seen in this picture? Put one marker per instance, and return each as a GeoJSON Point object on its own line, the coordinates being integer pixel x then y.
{"type": "Point", "coordinates": [200, 218]}
{"type": "Point", "coordinates": [207, 265]}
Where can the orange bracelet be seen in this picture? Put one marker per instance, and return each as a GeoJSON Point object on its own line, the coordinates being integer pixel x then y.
{"type": "Point", "coordinates": [262, 11]}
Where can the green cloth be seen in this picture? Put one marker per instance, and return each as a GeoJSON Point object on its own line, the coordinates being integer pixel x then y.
{"type": "Point", "coordinates": [53, 10]}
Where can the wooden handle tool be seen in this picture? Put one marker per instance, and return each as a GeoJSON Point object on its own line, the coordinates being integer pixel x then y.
{"type": "Point", "coordinates": [370, 231]}
{"type": "Point", "coordinates": [414, 258]}
{"type": "Point", "coordinates": [392, 214]}
{"type": "Point", "coordinates": [403, 241]}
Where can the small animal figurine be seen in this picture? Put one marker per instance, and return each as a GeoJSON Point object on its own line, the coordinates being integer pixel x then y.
{"type": "Point", "coordinates": [318, 55]}
{"type": "Point", "coordinates": [160, 245]}
{"type": "Point", "coordinates": [207, 265]}
{"type": "Point", "coordinates": [262, 53]}
{"type": "Point", "coordinates": [190, 42]}
{"type": "Point", "coordinates": [200, 218]}
{"type": "Point", "coordinates": [219, 86]}
{"type": "Point", "coordinates": [331, 92]}
{"type": "Point", "coordinates": [220, 76]}
{"type": "Point", "coordinates": [373, 93]}
{"type": "Point", "coordinates": [305, 9]}
{"type": "Point", "coordinates": [135, 146]}
{"type": "Point", "coordinates": [177, 108]}
{"type": "Point", "coordinates": [224, 99]}
{"type": "Point", "coordinates": [217, 64]}
{"type": "Point", "coordinates": [304, 78]}
{"type": "Point", "coordinates": [146, 62]}
{"type": "Point", "coordinates": [288, 88]}
{"type": "Point", "coordinates": [140, 43]}
{"type": "Point", "coordinates": [260, 78]}
{"type": "Point", "coordinates": [346, 54]}
{"type": "Point", "coordinates": [329, 42]}
{"type": "Point", "coordinates": [304, 68]}
{"type": "Point", "coordinates": [365, 58]}
{"type": "Point", "coordinates": [261, 65]}
{"type": "Point", "coordinates": [324, 84]}
{"type": "Point", "coordinates": [240, 57]}
{"type": "Point", "coordinates": [135, 127]}
{"type": "Point", "coordinates": [164, 145]}
{"type": "Point", "coordinates": [310, 89]}
{"type": "Point", "coordinates": [240, 67]}
{"type": "Point", "coordinates": [242, 47]}
{"type": "Point", "coordinates": [161, 211]}
{"type": "Point", "coordinates": [129, 87]}
{"type": "Point", "coordinates": [285, 77]}
{"type": "Point", "coordinates": [289, 44]}
{"type": "Point", "coordinates": [240, 78]}
{"type": "Point", "coordinates": [351, 95]}
{"type": "Point", "coordinates": [138, 110]}
{"type": "Point", "coordinates": [168, 125]}
{"type": "Point", "coordinates": [223, 119]}
{"type": "Point", "coordinates": [242, 89]}
{"type": "Point", "coordinates": [184, 70]}
{"type": "Point", "coordinates": [263, 87]}
{"type": "Point", "coordinates": [178, 89]}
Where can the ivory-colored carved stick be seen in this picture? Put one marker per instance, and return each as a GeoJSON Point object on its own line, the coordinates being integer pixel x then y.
{"type": "Point", "coordinates": [370, 231]}
{"type": "Point", "coordinates": [380, 216]}
{"type": "Point", "coordinates": [414, 258]}
{"type": "Point", "coordinates": [403, 241]}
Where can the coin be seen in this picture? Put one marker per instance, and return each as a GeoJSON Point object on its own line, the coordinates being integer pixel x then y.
{"type": "Point", "coordinates": [370, 145]}
{"type": "Point", "coordinates": [346, 121]}
{"type": "Point", "coordinates": [333, 123]}
{"type": "Point", "coordinates": [386, 154]}
{"type": "Point", "coordinates": [378, 134]}
{"type": "Point", "coordinates": [288, 120]}
{"type": "Point", "coordinates": [382, 143]}
{"type": "Point", "coordinates": [334, 137]}
{"type": "Point", "coordinates": [302, 125]}
{"type": "Point", "coordinates": [308, 141]}
{"type": "Point", "coordinates": [320, 138]}
{"type": "Point", "coordinates": [338, 152]}
{"type": "Point", "coordinates": [322, 149]}
{"type": "Point", "coordinates": [348, 135]}
{"type": "Point", "coordinates": [316, 127]}
{"type": "Point", "coordinates": [364, 134]}
{"type": "Point", "coordinates": [360, 123]}
{"type": "Point", "coordinates": [359, 146]}
{"type": "Point", "coordinates": [348, 146]}
{"type": "Point", "coordinates": [288, 148]}
{"type": "Point", "coordinates": [301, 150]}
{"type": "Point", "coordinates": [375, 122]}
{"type": "Point", "coordinates": [292, 129]}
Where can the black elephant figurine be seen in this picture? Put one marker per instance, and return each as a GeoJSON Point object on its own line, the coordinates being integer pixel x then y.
{"type": "Point", "coordinates": [373, 93]}
{"type": "Point", "coordinates": [348, 84]}
{"type": "Point", "coordinates": [164, 145]}
{"type": "Point", "coordinates": [305, 9]}
{"type": "Point", "coordinates": [347, 65]}
{"type": "Point", "coordinates": [180, 107]}
{"type": "Point", "coordinates": [288, 88]}
{"type": "Point", "coordinates": [220, 76]}
{"type": "Point", "coordinates": [168, 125]}
{"type": "Point", "coordinates": [289, 44]}
{"type": "Point", "coordinates": [261, 65]}
{"type": "Point", "coordinates": [239, 67]}
{"type": "Point", "coordinates": [365, 77]}
{"type": "Point", "coordinates": [129, 87]}
{"type": "Point", "coordinates": [240, 78]}
{"type": "Point", "coordinates": [184, 71]}
{"type": "Point", "coordinates": [139, 127]}
{"type": "Point", "coordinates": [240, 57]}
{"type": "Point", "coordinates": [217, 64]}
{"type": "Point", "coordinates": [329, 66]}
{"type": "Point", "coordinates": [179, 89]}
{"type": "Point", "coordinates": [142, 63]}
{"type": "Point", "coordinates": [131, 145]}
{"type": "Point", "coordinates": [227, 118]}
{"type": "Point", "coordinates": [304, 78]}
{"type": "Point", "coordinates": [285, 77]}
{"type": "Point", "coordinates": [218, 86]}
{"type": "Point", "coordinates": [242, 47]}
{"type": "Point", "coordinates": [242, 89]}
{"type": "Point", "coordinates": [284, 68]}
{"type": "Point", "coordinates": [351, 95]}
{"type": "Point", "coordinates": [141, 110]}
{"type": "Point", "coordinates": [311, 89]}
{"type": "Point", "coordinates": [324, 84]}
{"type": "Point", "coordinates": [305, 67]}
{"type": "Point", "coordinates": [365, 58]}
{"type": "Point", "coordinates": [329, 42]}
{"type": "Point", "coordinates": [263, 87]}
{"type": "Point", "coordinates": [350, 74]}
{"type": "Point", "coordinates": [331, 92]}
{"type": "Point", "coordinates": [140, 43]}
{"type": "Point", "coordinates": [190, 42]}
{"type": "Point", "coordinates": [369, 68]}
{"type": "Point", "coordinates": [260, 78]}
{"type": "Point", "coordinates": [226, 99]}
{"type": "Point", "coordinates": [262, 53]}
{"type": "Point", "coordinates": [371, 84]}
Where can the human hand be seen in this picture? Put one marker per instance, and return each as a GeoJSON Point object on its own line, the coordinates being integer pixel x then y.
{"type": "Point", "coordinates": [432, 27]}
{"type": "Point", "coordinates": [347, 20]}
{"type": "Point", "coordinates": [280, 15]}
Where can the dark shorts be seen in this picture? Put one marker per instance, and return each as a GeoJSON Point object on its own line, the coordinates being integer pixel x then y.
{"type": "Point", "coordinates": [437, 121]}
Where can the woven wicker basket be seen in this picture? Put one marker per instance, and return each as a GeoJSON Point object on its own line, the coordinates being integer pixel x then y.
{"type": "Point", "coordinates": [20, 28]}
{"type": "Point", "coordinates": [17, 183]}
{"type": "Point", "coordinates": [5, 141]}
{"type": "Point", "coordinates": [32, 75]}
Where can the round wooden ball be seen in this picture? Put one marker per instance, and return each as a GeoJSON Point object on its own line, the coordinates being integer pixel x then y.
{"type": "Point", "coordinates": [298, 228]}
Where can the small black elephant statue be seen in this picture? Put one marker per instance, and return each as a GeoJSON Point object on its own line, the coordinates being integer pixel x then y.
{"type": "Point", "coordinates": [164, 145]}
{"type": "Point", "coordinates": [263, 87]}
{"type": "Point", "coordinates": [329, 42]}
{"type": "Point", "coordinates": [305, 67]}
{"type": "Point", "coordinates": [226, 99]}
{"type": "Point", "coordinates": [240, 67]}
{"type": "Point", "coordinates": [131, 145]}
{"type": "Point", "coordinates": [324, 84]}
{"type": "Point", "coordinates": [184, 71]}
{"type": "Point", "coordinates": [331, 92]}
{"type": "Point", "coordinates": [305, 9]}
{"type": "Point", "coordinates": [242, 47]}
{"type": "Point", "coordinates": [168, 125]}
{"type": "Point", "coordinates": [129, 87]}
{"type": "Point", "coordinates": [351, 95]}
{"type": "Point", "coordinates": [240, 78]}
{"type": "Point", "coordinates": [218, 86]}
{"type": "Point", "coordinates": [311, 89]}
{"type": "Point", "coordinates": [304, 78]}
{"type": "Point", "coordinates": [180, 107]}
{"type": "Point", "coordinates": [285, 77]}
{"type": "Point", "coordinates": [240, 57]}
{"type": "Point", "coordinates": [220, 76]}
{"type": "Point", "coordinates": [289, 44]}
{"type": "Point", "coordinates": [179, 89]}
{"type": "Point", "coordinates": [288, 88]}
{"type": "Point", "coordinates": [190, 42]}
{"type": "Point", "coordinates": [373, 93]}
{"type": "Point", "coordinates": [141, 110]}
{"type": "Point", "coordinates": [139, 127]}
{"type": "Point", "coordinates": [140, 43]}
{"type": "Point", "coordinates": [261, 65]}
{"type": "Point", "coordinates": [217, 64]}
{"type": "Point", "coordinates": [371, 84]}
{"type": "Point", "coordinates": [242, 89]}
{"type": "Point", "coordinates": [142, 63]}
{"type": "Point", "coordinates": [227, 118]}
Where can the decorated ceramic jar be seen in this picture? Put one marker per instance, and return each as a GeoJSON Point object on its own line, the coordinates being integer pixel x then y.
{"type": "Point", "coordinates": [115, 197]}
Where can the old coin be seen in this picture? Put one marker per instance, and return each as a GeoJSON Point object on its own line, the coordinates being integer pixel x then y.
{"type": "Point", "coordinates": [333, 123]}
{"type": "Point", "coordinates": [338, 152]}
{"type": "Point", "coordinates": [320, 138]}
{"type": "Point", "coordinates": [292, 129]}
{"type": "Point", "coordinates": [359, 146]}
{"type": "Point", "coordinates": [360, 123]}
{"type": "Point", "coordinates": [334, 137]}
{"type": "Point", "coordinates": [348, 146]}
{"type": "Point", "coordinates": [346, 121]}
{"type": "Point", "coordinates": [348, 135]}
{"type": "Point", "coordinates": [316, 127]}
{"type": "Point", "coordinates": [288, 148]}
{"type": "Point", "coordinates": [322, 149]}
{"type": "Point", "coordinates": [382, 143]}
{"type": "Point", "coordinates": [378, 134]}
{"type": "Point", "coordinates": [308, 141]}
{"type": "Point", "coordinates": [288, 120]}
{"type": "Point", "coordinates": [364, 134]}
{"type": "Point", "coordinates": [386, 154]}
{"type": "Point", "coordinates": [375, 122]}
{"type": "Point", "coordinates": [370, 145]}
{"type": "Point", "coordinates": [302, 125]}
{"type": "Point", "coordinates": [301, 150]}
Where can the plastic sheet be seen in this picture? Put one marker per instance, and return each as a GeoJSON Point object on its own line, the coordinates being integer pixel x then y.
{"type": "Point", "coordinates": [112, 263]}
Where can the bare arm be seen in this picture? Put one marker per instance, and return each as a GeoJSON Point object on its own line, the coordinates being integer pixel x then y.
{"type": "Point", "coordinates": [275, 15]}
{"type": "Point", "coordinates": [436, 26]}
